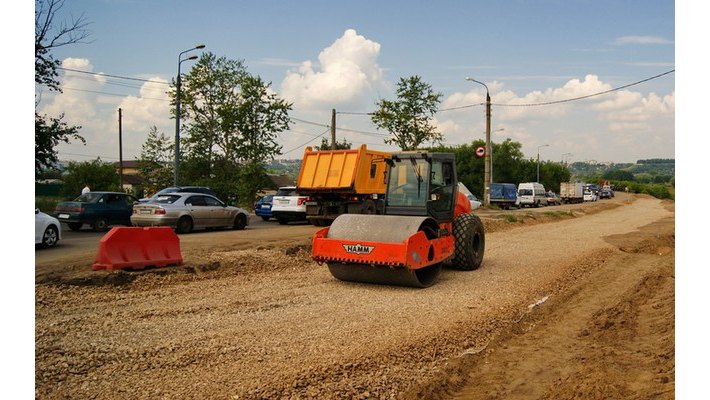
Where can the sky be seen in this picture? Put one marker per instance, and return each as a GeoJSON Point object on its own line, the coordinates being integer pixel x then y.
{"type": "Point", "coordinates": [324, 55]}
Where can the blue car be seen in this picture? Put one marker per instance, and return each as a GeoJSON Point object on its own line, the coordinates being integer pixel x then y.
{"type": "Point", "coordinates": [262, 207]}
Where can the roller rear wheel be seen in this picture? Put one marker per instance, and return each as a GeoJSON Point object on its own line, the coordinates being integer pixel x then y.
{"type": "Point", "coordinates": [470, 242]}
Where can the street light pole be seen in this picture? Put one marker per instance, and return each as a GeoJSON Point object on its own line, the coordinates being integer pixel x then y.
{"type": "Point", "coordinates": [538, 161]}
{"type": "Point", "coordinates": [487, 159]}
{"type": "Point", "coordinates": [178, 83]}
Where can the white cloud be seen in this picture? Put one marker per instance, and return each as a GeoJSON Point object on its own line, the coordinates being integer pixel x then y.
{"type": "Point", "coordinates": [624, 40]}
{"type": "Point", "coordinates": [89, 100]}
{"type": "Point", "coordinates": [617, 126]}
{"type": "Point", "coordinates": [347, 74]}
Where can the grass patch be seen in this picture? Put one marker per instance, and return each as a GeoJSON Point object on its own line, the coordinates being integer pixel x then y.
{"type": "Point", "coordinates": [511, 218]}
{"type": "Point", "coordinates": [46, 204]}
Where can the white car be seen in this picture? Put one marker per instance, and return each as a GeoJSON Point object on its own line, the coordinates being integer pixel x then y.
{"type": "Point", "coordinates": [48, 230]}
{"type": "Point", "coordinates": [475, 203]}
{"type": "Point", "coordinates": [590, 196]}
{"type": "Point", "coordinates": [287, 205]}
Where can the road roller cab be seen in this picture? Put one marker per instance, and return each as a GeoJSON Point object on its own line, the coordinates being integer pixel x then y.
{"type": "Point", "coordinates": [427, 224]}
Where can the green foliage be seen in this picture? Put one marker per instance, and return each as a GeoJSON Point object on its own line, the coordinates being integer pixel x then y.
{"type": "Point", "coordinates": [509, 166]}
{"type": "Point", "coordinates": [511, 218]}
{"type": "Point", "coordinates": [46, 204]}
{"type": "Point", "coordinates": [232, 120]}
{"type": "Point", "coordinates": [100, 176]}
{"type": "Point", "coordinates": [408, 119]}
{"type": "Point", "coordinates": [157, 161]}
{"type": "Point", "coordinates": [325, 145]}
{"type": "Point", "coordinates": [660, 191]}
{"type": "Point", "coordinates": [49, 34]}
{"type": "Point", "coordinates": [618, 175]}
{"type": "Point", "coordinates": [49, 132]}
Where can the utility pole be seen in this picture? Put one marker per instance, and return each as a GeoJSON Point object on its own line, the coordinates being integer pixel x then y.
{"type": "Point", "coordinates": [120, 150]}
{"type": "Point", "coordinates": [332, 131]}
{"type": "Point", "coordinates": [487, 160]}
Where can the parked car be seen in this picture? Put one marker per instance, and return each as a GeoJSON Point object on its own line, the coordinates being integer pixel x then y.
{"type": "Point", "coordinates": [174, 189]}
{"type": "Point", "coordinates": [589, 195]}
{"type": "Point", "coordinates": [475, 203]}
{"type": "Point", "coordinates": [553, 199]}
{"type": "Point", "coordinates": [48, 230]}
{"type": "Point", "coordinates": [605, 194]}
{"type": "Point", "coordinates": [262, 207]}
{"type": "Point", "coordinates": [187, 211]}
{"type": "Point", "coordinates": [98, 209]}
{"type": "Point", "coordinates": [287, 205]}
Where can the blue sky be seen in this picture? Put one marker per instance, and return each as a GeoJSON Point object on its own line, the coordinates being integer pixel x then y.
{"type": "Point", "coordinates": [346, 55]}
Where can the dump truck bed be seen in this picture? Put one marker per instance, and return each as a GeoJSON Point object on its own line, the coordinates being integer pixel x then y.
{"type": "Point", "coordinates": [359, 171]}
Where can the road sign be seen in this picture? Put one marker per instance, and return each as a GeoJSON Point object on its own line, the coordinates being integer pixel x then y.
{"type": "Point", "coordinates": [480, 151]}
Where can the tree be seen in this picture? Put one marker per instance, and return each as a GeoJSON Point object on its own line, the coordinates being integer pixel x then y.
{"type": "Point", "coordinates": [232, 121]}
{"type": "Point", "coordinates": [156, 165]}
{"type": "Point", "coordinates": [48, 133]}
{"type": "Point", "coordinates": [50, 34]}
{"type": "Point", "coordinates": [97, 174]}
{"type": "Point", "coordinates": [618, 175]}
{"type": "Point", "coordinates": [510, 166]}
{"type": "Point", "coordinates": [325, 145]}
{"type": "Point", "coordinates": [408, 119]}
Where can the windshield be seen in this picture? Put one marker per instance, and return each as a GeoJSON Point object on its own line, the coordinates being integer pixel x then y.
{"type": "Point", "coordinates": [287, 192]}
{"type": "Point", "coordinates": [91, 197]}
{"type": "Point", "coordinates": [165, 198]}
{"type": "Point", "coordinates": [407, 187]}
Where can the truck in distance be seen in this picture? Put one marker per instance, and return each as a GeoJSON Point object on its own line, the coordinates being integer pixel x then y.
{"type": "Point", "coordinates": [572, 192]}
{"type": "Point", "coordinates": [352, 181]}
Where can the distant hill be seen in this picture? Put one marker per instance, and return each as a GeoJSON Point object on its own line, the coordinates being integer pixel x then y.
{"type": "Point", "coordinates": [643, 171]}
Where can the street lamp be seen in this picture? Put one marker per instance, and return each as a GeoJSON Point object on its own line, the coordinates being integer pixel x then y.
{"type": "Point", "coordinates": [487, 159]}
{"type": "Point", "coordinates": [538, 161]}
{"type": "Point", "coordinates": [177, 109]}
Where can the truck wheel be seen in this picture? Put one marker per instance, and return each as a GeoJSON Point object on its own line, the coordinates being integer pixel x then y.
{"type": "Point", "coordinates": [282, 221]}
{"type": "Point", "coordinates": [75, 226]}
{"type": "Point", "coordinates": [265, 218]}
{"type": "Point", "coordinates": [100, 224]}
{"type": "Point", "coordinates": [469, 242]}
{"type": "Point", "coordinates": [184, 225]}
{"type": "Point", "coordinates": [369, 207]}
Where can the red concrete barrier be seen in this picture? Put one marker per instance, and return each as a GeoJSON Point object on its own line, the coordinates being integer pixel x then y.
{"type": "Point", "coordinates": [138, 248]}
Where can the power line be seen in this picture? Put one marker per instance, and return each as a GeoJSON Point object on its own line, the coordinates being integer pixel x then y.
{"type": "Point", "coordinates": [537, 104]}
{"type": "Point", "coordinates": [316, 137]}
{"type": "Point", "coordinates": [112, 76]}
{"type": "Point", "coordinates": [586, 96]}
{"type": "Point", "coordinates": [112, 94]}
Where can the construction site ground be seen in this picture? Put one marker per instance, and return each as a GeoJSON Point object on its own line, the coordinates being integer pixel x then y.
{"type": "Point", "coordinates": [574, 301]}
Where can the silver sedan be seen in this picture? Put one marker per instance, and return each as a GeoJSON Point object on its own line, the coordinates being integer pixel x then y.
{"type": "Point", "coordinates": [187, 211]}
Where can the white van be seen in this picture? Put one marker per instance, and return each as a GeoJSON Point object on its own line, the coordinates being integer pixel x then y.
{"type": "Point", "coordinates": [531, 194]}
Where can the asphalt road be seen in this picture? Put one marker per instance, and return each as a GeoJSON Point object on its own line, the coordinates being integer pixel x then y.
{"type": "Point", "coordinates": [86, 241]}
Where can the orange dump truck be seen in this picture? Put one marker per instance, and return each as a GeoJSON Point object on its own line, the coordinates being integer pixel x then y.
{"type": "Point", "coordinates": [337, 182]}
